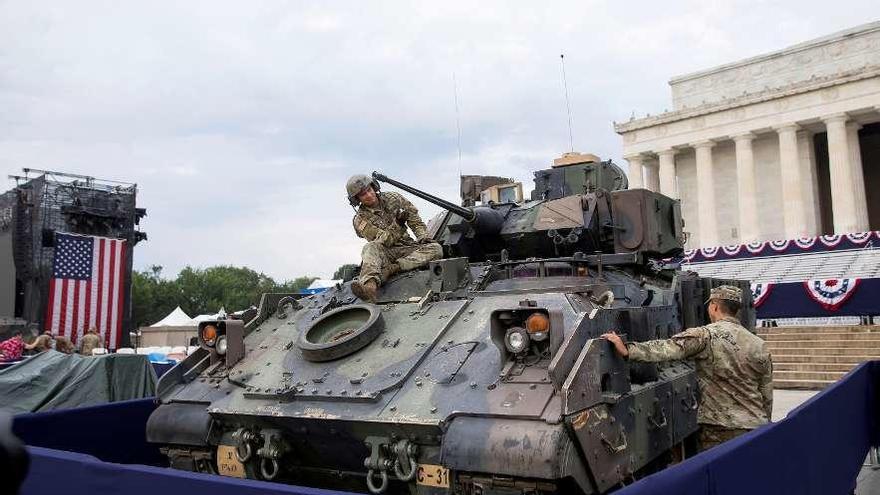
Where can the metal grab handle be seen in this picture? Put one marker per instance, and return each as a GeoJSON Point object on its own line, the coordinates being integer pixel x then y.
{"type": "Point", "coordinates": [614, 449]}
{"type": "Point", "coordinates": [265, 472]}
{"type": "Point", "coordinates": [284, 302]}
{"type": "Point", "coordinates": [691, 405]}
{"type": "Point", "coordinates": [654, 421]}
{"type": "Point", "coordinates": [370, 486]}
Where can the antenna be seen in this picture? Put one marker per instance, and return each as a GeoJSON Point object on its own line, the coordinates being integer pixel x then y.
{"type": "Point", "coordinates": [567, 104]}
{"type": "Point", "coordinates": [457, 120]}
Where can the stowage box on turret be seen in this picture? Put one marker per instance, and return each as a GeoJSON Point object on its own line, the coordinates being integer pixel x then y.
{"type": "Point", "coordinates": [480, 374]}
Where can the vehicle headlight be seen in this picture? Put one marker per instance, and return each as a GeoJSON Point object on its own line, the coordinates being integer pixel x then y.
{"type": "Point", "coordinates": [516, 340]}
{"type": "Point", "coordinates": [209, 334]}
{"type": "Point", "coordinates": [538, 325]}
{"type": "Point", "coordinates": [220, 347]}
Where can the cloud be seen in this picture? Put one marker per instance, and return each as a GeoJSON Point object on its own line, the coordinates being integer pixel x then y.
{"type": "Point", "coordinates": [241, 122]}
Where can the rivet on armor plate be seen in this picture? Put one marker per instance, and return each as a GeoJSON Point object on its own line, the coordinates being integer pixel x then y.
{"type": "Point", "coordinates": [433, 410]}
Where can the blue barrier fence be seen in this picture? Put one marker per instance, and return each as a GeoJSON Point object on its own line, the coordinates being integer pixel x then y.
{"type": "Point", "coordinates": [818, 449]}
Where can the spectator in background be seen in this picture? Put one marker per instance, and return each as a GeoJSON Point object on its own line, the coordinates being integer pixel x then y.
{"type": "Point", "coordinates": [11, 349]}
{"type": "Point", "coordinates": [51, 336]}
{"type": "Point", "coordinates": [89, 342]}
{"type": "Point", "coordinates": [40, 344]}
{"type": "Point", "coordinates": [63, 344]}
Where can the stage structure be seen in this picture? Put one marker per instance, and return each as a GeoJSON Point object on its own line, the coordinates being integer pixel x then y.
{"type": "Point", "coordinates": [44, 204]}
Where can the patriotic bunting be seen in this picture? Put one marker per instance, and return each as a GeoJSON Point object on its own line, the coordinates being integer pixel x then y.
{"type": "Point", "coordinates": [786, 246]}
{"type": "Point", "coordinates": [831, 293]}
{"type": "Point", "coordinates": [760, 292]}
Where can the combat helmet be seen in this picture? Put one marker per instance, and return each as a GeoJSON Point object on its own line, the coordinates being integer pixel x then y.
{"type": "Point", "coordinates": [356, 184]}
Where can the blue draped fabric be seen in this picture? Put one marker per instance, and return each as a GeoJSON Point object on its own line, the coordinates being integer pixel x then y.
{"type": "Point", "coordinates": [162, 368]}
{"type": "Point", "coordinates": [818, 449]}
{"type": "Point", "coordinates": [790, 300]}
{"type": "Point", "coordinates": [54, 472]}
{"type": "Point", "coordinates": [113, 432]}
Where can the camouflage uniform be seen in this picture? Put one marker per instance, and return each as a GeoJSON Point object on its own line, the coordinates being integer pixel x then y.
{"type": "Point", "coordinates": [734, 372]}
{"type": "Point", "coordinates": [389, 241]}
{"type": "Point", "coordinates": [88, 343]}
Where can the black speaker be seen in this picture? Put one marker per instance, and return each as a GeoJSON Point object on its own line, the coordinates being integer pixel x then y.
{"type": "Point", "coordinates": [48, 238]}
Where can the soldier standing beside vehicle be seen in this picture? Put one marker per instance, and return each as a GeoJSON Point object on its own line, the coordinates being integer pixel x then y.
{"type": "Point", "coordinates": [382, 219]}
{"type": "Point", "coordinates": [734, 369]}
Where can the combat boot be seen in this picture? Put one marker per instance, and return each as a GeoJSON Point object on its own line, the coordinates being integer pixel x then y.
{"type": "Point", "coordinates": [365, 291]}
{"type": "Point", "coordinates": [389, 271]}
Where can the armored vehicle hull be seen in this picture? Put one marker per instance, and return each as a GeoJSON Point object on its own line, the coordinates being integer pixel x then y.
{"type": "Point", "coordinates": [481, 373]}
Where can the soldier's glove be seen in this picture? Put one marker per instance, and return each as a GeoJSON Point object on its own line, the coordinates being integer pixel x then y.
{"type": "Point", "coordinates": [402, 216]}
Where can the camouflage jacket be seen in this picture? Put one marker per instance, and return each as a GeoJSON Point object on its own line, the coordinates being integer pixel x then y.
{"type": "Point", "coordinates": [734, 371]}
{"type": "Point", "coordinates": [381, 222]}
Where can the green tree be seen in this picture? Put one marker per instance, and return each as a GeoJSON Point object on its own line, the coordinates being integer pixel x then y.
{"type": "Point", "coordinates": [345, 272]}
{"type": "Point", "coordinates": [202, 291]}
{"type": "Point", "coordinates": [152, 297]}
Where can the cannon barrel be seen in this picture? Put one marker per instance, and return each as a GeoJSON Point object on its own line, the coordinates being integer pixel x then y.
{"type": "Point", "coordinates": [466, 213]}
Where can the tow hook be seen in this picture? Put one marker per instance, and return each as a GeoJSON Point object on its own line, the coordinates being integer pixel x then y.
{"type": "Point", "coordinates": [399, 456]}
{"type": "Point", "coordinates": [405, 460]}
{"type": "Point", "coordinates": [274, 446]}
{"type": "Point", "coordinates": [244, 439]}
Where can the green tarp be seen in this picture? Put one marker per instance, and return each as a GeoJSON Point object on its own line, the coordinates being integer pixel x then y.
{"type": "Point", "coordinates": [53, 380]}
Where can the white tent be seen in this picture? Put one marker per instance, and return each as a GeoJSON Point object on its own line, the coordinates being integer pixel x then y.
{"type": "Point", "coordinates": [219, 315]}
{"type": "Point", "coordinates": [323, 284]}
{"type": "Point", "coordinates": [176, 318]}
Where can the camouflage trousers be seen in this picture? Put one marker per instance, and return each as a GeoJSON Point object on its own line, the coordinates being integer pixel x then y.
{"type": "Point", "coordinates": [712, 435]}
{"type": "Point", "coordinates": [375, 256]}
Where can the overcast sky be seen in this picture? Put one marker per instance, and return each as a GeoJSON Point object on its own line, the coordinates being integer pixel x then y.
{"type": "Point", "coordinates": [240, 121]}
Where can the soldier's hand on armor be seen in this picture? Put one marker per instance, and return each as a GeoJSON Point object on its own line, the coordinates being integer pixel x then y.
{"type": "Point", "coordinates": [617, 342]}
{"type": "Point", "coordinates": [402, 216]}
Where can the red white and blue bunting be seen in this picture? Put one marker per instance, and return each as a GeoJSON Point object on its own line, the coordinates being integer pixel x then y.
{"type": "Point", "coordinates": [760, 292]}
{"type": "Point", "coordinates": [831, 293]}
{"type": "Point", "coordinates": [786, 246]}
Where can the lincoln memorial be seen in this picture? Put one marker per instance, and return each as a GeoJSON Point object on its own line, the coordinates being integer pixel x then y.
{"type": "Point", "coordinates": [778, 146]}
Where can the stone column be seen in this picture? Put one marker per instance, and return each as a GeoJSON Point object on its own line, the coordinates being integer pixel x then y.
{"type": "Point", "coordinates": [667, 172]}
{"type": "Point", "coordinates": [794, 214]}
{"type": "Point", "coordinates": [855, 162]}
{"type": "Point", "coordinates": [746, 187]}
{"type": "Point", "coordinates": [807, 156]}
{"type": "Point", "coordinates": [635, 171]}
{"type": "Point", "coordinates": [708, 222]}
{"type": "Point", "coordinates": [652, 181]}
{"type": "Point", "coordinates": [843, 201]}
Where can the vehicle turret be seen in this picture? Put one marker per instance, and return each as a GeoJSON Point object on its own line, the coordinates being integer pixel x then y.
{"type": "Point", "coordinates": [576, 206]}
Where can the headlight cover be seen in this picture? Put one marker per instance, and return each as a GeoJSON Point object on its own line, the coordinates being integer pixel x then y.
{"type": "Point", "coordinates": [516, 340]}
{"type": "Point", "coordinates": [221, 344]}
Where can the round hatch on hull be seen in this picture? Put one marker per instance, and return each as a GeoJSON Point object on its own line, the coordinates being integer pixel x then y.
{"type": "Point", "coordinates": [341, 332]}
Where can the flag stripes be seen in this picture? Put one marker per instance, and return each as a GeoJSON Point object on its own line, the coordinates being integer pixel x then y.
{"type": "Point", "coordinates": [86, 289]}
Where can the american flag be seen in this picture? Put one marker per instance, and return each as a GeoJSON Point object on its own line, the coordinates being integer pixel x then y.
{"type": "Point", "coordinates": [86, 288]}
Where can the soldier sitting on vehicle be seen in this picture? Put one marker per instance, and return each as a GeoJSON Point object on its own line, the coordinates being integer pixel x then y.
{"type": "Point", "coordinates": [734, 369]}
{"type": "Point", "coordinates": [382, 219]}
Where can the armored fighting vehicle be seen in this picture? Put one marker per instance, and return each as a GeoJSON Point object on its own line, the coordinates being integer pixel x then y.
{"type": "Point", "coordinates": [481, 373]}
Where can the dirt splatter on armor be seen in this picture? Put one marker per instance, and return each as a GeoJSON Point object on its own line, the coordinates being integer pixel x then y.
{"type": "Point", "coordinates": [734, 371]}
